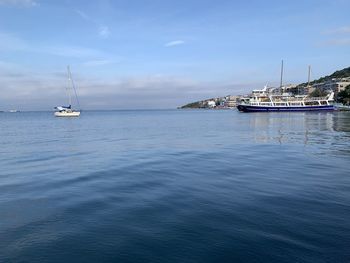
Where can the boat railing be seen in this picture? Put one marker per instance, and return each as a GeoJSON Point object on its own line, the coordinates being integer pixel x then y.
{"type": "Point", "coordinates": [315, 98]}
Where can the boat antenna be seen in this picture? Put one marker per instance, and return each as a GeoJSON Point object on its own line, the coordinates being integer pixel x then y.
{"type": "Point", "coordinates": [281, 83]}
{"type": "Point", "coordinates": [308, 77]}
{"type": "Point", "coordinates": [73, 85]}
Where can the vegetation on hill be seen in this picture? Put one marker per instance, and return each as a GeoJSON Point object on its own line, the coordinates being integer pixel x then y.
{"type": "Point", "coordinates": [344, 96]}
{"type": "Point", "coordinates": [318, 93]}
{"type": "Point", "coordinates": [201, 104]}
{"type": "Point", "coordinates": [343, 73]}
{"type": "Point", "coordinates": [193, 105]}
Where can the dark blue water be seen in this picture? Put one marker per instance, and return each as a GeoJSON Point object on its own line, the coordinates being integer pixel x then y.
{"type": "Point", "coordinates": [175, 186]}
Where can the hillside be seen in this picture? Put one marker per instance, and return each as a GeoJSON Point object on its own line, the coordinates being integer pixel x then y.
{"type": "Point", "coordinates": [203, 103]}
{"type": "Point", "coordinates": [343, 73]}
{"type": "Point", "coordinates": [194, 105]}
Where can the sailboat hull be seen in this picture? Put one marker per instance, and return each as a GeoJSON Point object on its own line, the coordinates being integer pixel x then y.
{"type": "Point", "coordinates": [67, 114]}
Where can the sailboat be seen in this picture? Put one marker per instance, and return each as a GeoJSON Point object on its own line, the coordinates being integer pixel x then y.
{"type": "Point", "coordinates": [67, 111]}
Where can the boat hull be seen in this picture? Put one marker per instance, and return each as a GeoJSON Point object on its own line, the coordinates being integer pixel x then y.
{"type": "Point", "coordinates": [250, 108]}
{"type": "Point", "coordinates": [67, 114]}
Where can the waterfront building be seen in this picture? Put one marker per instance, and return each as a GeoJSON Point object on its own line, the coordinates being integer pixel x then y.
{"type": "Point", "coordinates": [211, 103]}
{"type": "Point", "coordinates": [336, 85]}
{"type": "Point", "coordinates": [231, 101]}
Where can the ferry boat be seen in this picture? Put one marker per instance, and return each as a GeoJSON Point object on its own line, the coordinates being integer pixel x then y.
{"type": "Point", "coordinates": [264, 100]}
{"type": "Point", "coordinates": [286, 102]}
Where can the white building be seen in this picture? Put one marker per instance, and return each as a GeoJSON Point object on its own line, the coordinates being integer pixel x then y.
{"type": "Point", "coordinates": [231, 101]}
{"type": "Point", "coordinates": [211, 104]}
{"type": "Point", "coordinates": [336, 85]}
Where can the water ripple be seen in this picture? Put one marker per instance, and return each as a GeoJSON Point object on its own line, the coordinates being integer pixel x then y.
{"type": "Point", "coordinates": [175, 186]}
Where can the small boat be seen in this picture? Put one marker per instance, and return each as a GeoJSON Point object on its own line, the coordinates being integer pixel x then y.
{"type": "Point", "coordinates": [67, 111]}
{"type": "Point", "coordinates": [265, 101]}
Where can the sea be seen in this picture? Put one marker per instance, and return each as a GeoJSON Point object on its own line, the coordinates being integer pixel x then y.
{"type": "Point", "coordinates": [175, 186]}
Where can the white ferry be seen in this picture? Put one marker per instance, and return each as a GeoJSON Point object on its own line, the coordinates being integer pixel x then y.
{"type": "Point", "coordinates": [262, 102]}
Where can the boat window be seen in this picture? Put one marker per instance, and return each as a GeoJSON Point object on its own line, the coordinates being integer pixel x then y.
{"type": "Point", "coordinates": [311, 103]}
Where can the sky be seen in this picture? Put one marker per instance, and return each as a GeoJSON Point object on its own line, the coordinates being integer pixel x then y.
{"type": "Point", "coordinates": [158, 54]}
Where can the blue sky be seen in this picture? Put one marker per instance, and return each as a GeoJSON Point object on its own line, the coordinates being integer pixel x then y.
{"type": "Point", "coordinates": [162, 54]}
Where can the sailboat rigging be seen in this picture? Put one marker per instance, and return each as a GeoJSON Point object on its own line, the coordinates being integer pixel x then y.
{"type": "Point", "coordinates": [67, 111]}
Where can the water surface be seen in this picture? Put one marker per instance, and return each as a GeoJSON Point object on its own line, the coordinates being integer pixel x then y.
{"type": "Point", "coordinates": [175, 186]}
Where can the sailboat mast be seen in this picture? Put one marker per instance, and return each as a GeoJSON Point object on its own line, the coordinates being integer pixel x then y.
{"type": "Point", "coordinates": [73, 87]}
{"type": "Point", "coordinates": [308, 77]}
{"type": "Point", "coordinates": [281, 82]}
{"type": "Point", "coordinates": [68, 89]}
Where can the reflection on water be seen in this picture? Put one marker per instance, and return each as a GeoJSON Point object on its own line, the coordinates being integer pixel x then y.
{"type": "Point", "coordinates": [300, 128]}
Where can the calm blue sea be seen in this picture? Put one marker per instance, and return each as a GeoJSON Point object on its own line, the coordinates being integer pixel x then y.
{"type": "Point", "coordinates": [175, 186]}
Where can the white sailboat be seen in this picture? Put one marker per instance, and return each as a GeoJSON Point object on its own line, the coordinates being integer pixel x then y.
{"type": "Point", "coordinates": [67, 111]}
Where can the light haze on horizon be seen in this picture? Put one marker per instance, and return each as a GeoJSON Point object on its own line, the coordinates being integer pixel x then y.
{"type": "Point", "coordinates": [162, 54]}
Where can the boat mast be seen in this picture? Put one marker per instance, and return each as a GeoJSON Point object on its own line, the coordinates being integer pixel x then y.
{"type": "Point", "coordinates": [281, 83]}
{"type": "Point", "coordinates": [73, 86]}
{"type": "Point", "coordinates": [68, 89]}
{"type": "Point", "coordinates": [308, 77]}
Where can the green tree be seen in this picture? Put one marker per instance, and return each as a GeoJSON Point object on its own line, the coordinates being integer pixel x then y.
{"type": "Point", "coordinates": [344, 96]}
{"type": "Point", "coordinates": [318, 93]}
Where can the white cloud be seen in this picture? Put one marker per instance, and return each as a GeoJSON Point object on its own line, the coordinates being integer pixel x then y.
{"type": "Point", "coordinates": [9, 42]}
{"type": "Point", "coordinates": [71, 51]}
{"type": "Point", "coordinates": [340, 37]}
{"type": "Point", "coordinates": [104, 31]}
{"type": "Point", "coordinates": [83, 15]}
{"type": "Point", "coordinates": [339, 30]}
{"type": "Point", "coordinates": [27, 90]}
{"type": "Point", "coordinates": [96, 63]}
{"type": "Point", "coordinates": [174, 43]}
{"type": "Point", "coordinates": [338, 42]}
{"type": "Point", "coordinates": [21, 3]}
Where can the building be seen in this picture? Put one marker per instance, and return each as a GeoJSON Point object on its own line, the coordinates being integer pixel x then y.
{"type": "Point", "coordinates": [336, 85]}
{"type": "Point", "coordinates": [211, 103]}
{"type": "Point", "coordinates": [295, 89]}
{"type": "Point", "coordinates": [231, 101]}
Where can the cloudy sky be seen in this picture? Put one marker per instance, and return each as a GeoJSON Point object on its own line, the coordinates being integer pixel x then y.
{"type": "Point", "coordinates": [162, 54]}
